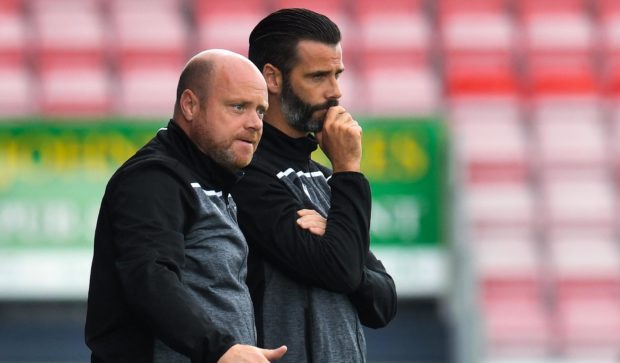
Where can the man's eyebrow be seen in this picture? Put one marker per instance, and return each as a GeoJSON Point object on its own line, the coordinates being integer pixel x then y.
{"type": "Point", "coordinates": [318, 73]}
{"type": "Point", "coordinates": [323, 72]}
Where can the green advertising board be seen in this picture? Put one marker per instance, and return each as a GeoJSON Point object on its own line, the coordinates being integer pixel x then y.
{"type": "Point", "coordinates": [53, 175]}
{"type": "Point", "coordinates": [405, 162]}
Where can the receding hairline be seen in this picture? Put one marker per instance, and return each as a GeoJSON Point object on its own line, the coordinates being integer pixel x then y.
{"type": "Point", "coordinates": [199, 71]}
{"type": "Point", "coordinates": [195, 77]}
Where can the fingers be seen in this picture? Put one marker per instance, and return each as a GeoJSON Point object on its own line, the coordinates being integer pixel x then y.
{"type": "Point", "coordinates": [312, 221]}
{"type": "Point", "coordinates": [317, 231]}
{"type": "Point", "coordinates": [341, 140]}
{"type": "Point", "coordinates": [339, 115]}
{"type": "Point", "coordinates": [307, 212]}
{"type": "Point", "coordinates": [338, 118]}
{"type": "Point", "coordinates": [314, 228]}
{"type": "Point", "coordinates": [274, 354]}
{"type": "Point", "coordinates": [333, 112]}
{"type": "Point", "coordinates": [240, 353]}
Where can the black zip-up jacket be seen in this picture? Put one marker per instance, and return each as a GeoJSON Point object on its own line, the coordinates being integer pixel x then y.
{"type": "Point", "coordinates": [169, 266]}
{"type": "Point", "coordinates": [310, 292]}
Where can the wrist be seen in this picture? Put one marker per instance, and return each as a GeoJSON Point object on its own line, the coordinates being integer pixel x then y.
{"type": "Point", "coordinates": [346, 167]}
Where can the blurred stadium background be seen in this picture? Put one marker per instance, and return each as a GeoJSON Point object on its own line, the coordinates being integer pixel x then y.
{"type": "Point", "coordinates": [491, 142]}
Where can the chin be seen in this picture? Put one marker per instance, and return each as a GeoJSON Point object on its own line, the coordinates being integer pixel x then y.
{"type": "Point", "coordinates": [315, 126]}
{"type": "Point", "coordinates": [242, 164]}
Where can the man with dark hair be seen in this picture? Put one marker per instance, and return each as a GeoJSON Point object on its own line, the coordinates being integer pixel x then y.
{"type": "Point", "coordinates": [168, 273]}
{"type": "Point", "coordinates": [312, 277]}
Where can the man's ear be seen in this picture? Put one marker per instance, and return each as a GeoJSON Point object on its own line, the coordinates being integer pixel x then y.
{"type": "Point", "coordinates": [273, 77]}
{"type": "Point", "coordinates": [189, 104]}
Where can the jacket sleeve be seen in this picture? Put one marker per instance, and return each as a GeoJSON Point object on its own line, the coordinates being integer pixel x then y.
{"type": "Point", "coordinates": [150, 212]}
{"type": "Point", "coordinates": [375, 298]}
{"type": "Point", "coordinates": [267, 214]}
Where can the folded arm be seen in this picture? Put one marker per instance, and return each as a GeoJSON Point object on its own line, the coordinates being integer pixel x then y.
{"type": "Point", "coordinates": [375, 298]}
{"type": "Point", "coordinates": [334, 261]}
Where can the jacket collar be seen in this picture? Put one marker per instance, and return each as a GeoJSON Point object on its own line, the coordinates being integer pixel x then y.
{"type": "Point", "coordinates": [292, 148]}
{"type": "Point", "coordinates": [203, 165]}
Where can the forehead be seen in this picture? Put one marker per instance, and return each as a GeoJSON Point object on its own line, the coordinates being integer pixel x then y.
{"type": "Point", "coordinates": [316, 55]}
{"type": "Point", "coordinates": [238, 81]}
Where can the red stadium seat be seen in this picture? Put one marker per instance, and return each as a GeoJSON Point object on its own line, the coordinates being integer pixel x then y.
{"type": "Point", "coordinates": [70, 46]}
{"type": "Point", "coordinates": [517, 330]}
{"type": "Point", "coordinates": [393, 56]}
{"type": "Point", "coordinates": [71, 91]}
{"type": "Point", "coordinates": [582, 202]}
{"type": "Point", "coordinates": [551, 26]}
{"type": "Point", "coordinates": [516, 323]}
{"type": "Point", "coordinates": [495, 206]}
{"type": "Point", "coordinates": [42, 6]}
{"type": "Point", "coordinates": [476, 26]}
{"type": "Point", "coordinates": [116, 6]}
{"type": "Point", "coordinates": [17, 96]}
{"type": "Point", "coordinates": [588, 327]}
{"type": "Point", "coordinates": [608, 16]}
{"type": "Point", "coordinates": [147, 92]}
{"type": "Point", "coordinates": [483, 93]}
{"type": "Point", "coordinates": [208, 8]}
{"type": "Point", "coordinates": [392, 33]}
{"type": "Point", "coordinates": [610, 76]}
{"type": "Point", "coordinates": [580, 260]}
{"type": "Point", "coordinates": [10, 7]}
{"type": "Point", "coordinates": [13, 39]}
{"type": "Point", "coordinates": [490, 144]}
{"type": "Point", "coordinates": [561, 76]}
{"type": "Point", "coordinates": [570, 137]}
{"type": "Point", "coordinates": [513, 259]}
{"type": "Point", "coordinates": [69, 35]}
{"type": "Point", "coordinates": [586, 280]}
{"type": "Point", "coordinates": [510, 283]}
{"type": "Point", "coordinates": [614, 141]}
{"type": "Point", "coordinates": [481, 77]}
{"type": "Point", "coordinates": [153, 34]}
{"type": "Point", "coordinates": [227, 24]}
{"type": "Point", "coordinates": [401, 91]}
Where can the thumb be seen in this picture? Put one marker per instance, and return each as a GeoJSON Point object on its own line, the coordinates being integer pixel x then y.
{"type": "Point", "coordinates": [274, 354]}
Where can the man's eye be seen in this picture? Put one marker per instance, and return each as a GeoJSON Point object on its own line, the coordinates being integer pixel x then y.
{"type": "Point", "coordinates": [261, 113]}
{"type": "Point", "coordinates": [238, 107]}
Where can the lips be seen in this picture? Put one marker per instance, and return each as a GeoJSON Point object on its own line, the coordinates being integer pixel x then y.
{"type": "Point", "coordinates": [253, 140]}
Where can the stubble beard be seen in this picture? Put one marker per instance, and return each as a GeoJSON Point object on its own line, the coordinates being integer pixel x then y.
{"type": "Point", "coordinates": [220, 152]}
{"type": "Point", "coordinates": [224, 157]}
{"type": "Point", "coordinates": [299, 114]}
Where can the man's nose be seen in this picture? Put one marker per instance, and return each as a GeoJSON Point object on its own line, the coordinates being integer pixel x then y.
{"type": "Point", "coordinates": [254, 121]}
{"type": "Point", "coordinates": [334, 89]}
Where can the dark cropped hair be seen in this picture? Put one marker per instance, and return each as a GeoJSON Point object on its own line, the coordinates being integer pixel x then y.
{"type": "Point", "coordinates": [274, 39]}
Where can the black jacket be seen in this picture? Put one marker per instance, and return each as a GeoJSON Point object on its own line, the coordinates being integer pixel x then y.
{"type": "Point", "coordinates": [169, 266]}
{"type": "Point", "coordinates": [310, 292]}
